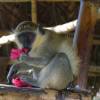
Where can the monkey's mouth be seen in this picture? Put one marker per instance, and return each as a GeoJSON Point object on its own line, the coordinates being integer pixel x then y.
{"type": "Point", "coordinates": [27, 50]}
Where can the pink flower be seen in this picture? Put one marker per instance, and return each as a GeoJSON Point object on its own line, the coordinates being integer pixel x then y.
{"type": "Point", "coordinates": [16, 53]}
{"type": "Point", "coordinates": [20, 83]}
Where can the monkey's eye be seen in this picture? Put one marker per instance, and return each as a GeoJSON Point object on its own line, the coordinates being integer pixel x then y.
{"type": "Point", "coordinates": [26, 36]}
{"type": "Point", "coordinates": [26, 39]}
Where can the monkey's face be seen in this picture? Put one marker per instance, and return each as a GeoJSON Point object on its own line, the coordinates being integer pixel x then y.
{"type": "Point", "coordinates": [27, 33]}
{"type": "Point", "coordinates": [25, 39]}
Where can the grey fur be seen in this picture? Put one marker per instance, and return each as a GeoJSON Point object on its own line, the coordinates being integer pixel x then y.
{"type": "Point", "coordinates": [54, 57]}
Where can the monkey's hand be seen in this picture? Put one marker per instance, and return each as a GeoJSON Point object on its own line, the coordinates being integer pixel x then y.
{"type": "Point", "coordinates": [38, 62]}
{"type": "Point", "coordinates": [23, 57]}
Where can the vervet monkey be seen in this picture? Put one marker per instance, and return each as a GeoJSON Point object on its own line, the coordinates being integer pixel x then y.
{"type": "Point", "coordinates": [50, 53]}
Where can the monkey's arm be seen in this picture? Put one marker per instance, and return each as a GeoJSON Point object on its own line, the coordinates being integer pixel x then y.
{"type": "Point", "coordinates": [38, 62]}
{"type": "Point", "coordinates": [11, 72]}
{"type": "Point", "coordinates": [64, 28]}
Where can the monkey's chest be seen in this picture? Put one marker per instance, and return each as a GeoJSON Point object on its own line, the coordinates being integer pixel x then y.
{"type": "Point", "coordinates": [42, 52]}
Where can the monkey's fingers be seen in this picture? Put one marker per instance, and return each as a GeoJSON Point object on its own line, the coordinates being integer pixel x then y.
{"type": "Point", "coordinates": [23, 57]}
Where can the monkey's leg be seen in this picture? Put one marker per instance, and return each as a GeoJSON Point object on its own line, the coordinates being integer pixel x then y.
{"type": "Point", "coordinates": [17, 69]}
{"type": "Point", "coordinates": [57, 74]}
{"type": "Point", "coordinates": [11, 72]}
{"type": "Point", "coordinates": [25, 72]}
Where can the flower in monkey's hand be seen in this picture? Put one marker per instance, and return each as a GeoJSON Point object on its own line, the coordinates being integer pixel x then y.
{"type": "Point", "coordinates": [16, 53]}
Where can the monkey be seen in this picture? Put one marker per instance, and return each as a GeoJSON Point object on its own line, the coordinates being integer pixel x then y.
{"type": "Point", "coordinates": [56, 62]}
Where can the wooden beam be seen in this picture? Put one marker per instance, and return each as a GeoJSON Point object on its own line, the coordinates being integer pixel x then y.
{"type": "Point", "coordinates": [94, 69]}
{"type": "Point", "coordinates": [3, 33]}
{"type": "Point", "coordinates": [98, 13]}
{"type": "Point", "coordinates": [37, 0]}
{"type": "Point", "coordinates": [83, 40]}
{"type": "Point", "coordinates": [96, 42]}
{"type": "Point", "coordinates": [58, 0]}
{"type": "Point", "coordinates": [15, 1]}
{"type": "Point", "coordinates": [95, 1]}
{"type": "Point", "coordinates": [34, 11]}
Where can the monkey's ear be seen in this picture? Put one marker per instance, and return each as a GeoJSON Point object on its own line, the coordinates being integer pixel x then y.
{"type": "Point", "coordinates": [26, 26]}
{"type": "Point", "coordinates": [40, 29]}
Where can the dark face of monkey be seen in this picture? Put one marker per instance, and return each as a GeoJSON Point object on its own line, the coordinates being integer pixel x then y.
{"type": "Point", "coordinates": [26, 39]}
{"type": "Point", "coordinates": [26, 33]}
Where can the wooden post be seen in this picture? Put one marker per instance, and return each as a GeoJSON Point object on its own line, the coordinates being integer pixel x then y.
{"type": "Point", "coordinates": [34, 11]}
{"type": "Point", "coordinates": [83, 40]}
